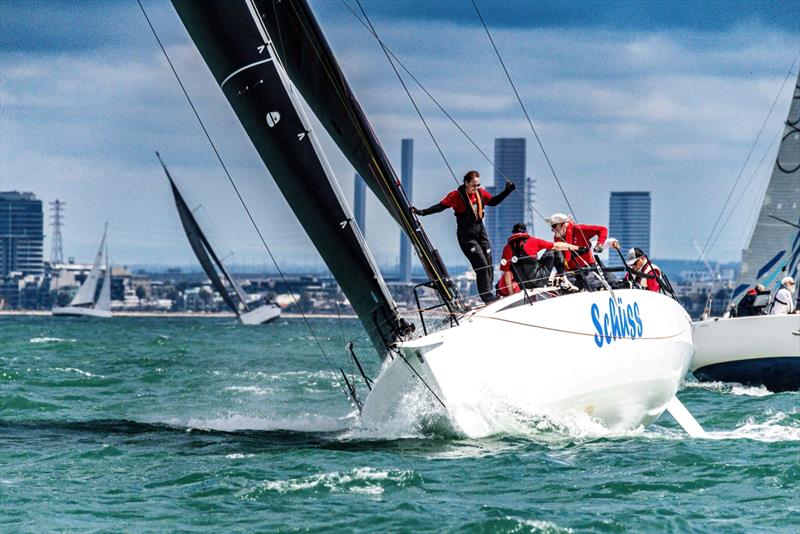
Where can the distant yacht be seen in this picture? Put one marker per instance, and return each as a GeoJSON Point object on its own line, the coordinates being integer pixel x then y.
{"type": "Point", "coordinates": [84, 304]}
{"type": "Point", "coordinates": [248, 311]}
{"type": "Point", "coordinates": [762, 350]}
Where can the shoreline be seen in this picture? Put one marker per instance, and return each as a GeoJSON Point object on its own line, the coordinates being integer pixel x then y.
{"type": "Point", "coordinates": [203, 315]}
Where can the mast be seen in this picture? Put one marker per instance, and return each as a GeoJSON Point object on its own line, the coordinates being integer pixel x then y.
{"type": "Point", "coordinates": [312, 67]}
{"type": "Point", "coordinates": [774, 248]}
{"type": "Point", "coordinates": [238, 50]}
{"type": "Point", "coordinates": [202, 249]}
{"type": "Point", "coordinates": [85, 294]}
{"type": "Point", "coordinates": [104, 300]}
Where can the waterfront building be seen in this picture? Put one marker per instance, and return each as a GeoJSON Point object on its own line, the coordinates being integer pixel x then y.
{"type": "Point", "coordinates": [360, 202]}
{"type": "Point", "coordinates": [21, 234]}
{"type": "Point", "coordinates": [407, 179]}
{"type": "Point", "coordinates": [629, 222]}
{"type": "Point", "coordinates": [509, 162]}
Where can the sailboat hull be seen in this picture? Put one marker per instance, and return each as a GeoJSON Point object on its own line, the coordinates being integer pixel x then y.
{"type": "Point", "coordinates": [762, 350]}
{"type": "Point", "coordinates": [261, 315]}
{"type": "Point", "coordinates": [552, 358]}
{"type": "Point", "coordinates": [76, 311]}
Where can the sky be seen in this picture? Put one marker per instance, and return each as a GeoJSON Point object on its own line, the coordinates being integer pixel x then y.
{"type": "Point", "coordinates": [667, 97]}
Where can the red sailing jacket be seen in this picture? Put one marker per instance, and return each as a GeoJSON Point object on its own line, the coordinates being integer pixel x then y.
{"type": "Point", "coordinates": [580, 235]}
{"type": "Point", "coordinates": [454, 200]}
{"type": "Point", "coordinates": [532, 247]}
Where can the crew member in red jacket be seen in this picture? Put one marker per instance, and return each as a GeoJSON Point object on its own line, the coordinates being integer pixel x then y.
{"type": "Point", "coordinates": [580, 235]}
{"type": "Point", "coordinates": [650, 277]}
{"type": "Point", "coordinates": [468, 203]}
{"type": "Point", "coordinates": [521, 265]}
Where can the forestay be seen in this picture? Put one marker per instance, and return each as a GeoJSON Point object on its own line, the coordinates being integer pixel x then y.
{"type": "Point", "coordinates": [238, 49]}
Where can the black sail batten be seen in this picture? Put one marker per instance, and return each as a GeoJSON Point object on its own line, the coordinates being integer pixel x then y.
{"type": "Point", "coordinates": [312, 67]}
{"type": "Point", "coordinates": [238, 50]}
{"type": "Point", "coordinates": [202, 249]}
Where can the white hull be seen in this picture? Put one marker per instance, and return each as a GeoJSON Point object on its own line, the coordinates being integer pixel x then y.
{"type": "Point", "coordinates": [261, 315]}
{"type": "Point", "coordinates": [758, 350]}
{"type": "Point", "coordinates": [77, 311]}
{"type": "Point", "coordinates": [545, 359]}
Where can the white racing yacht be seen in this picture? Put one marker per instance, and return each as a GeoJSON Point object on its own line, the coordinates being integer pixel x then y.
{"type": "Point", "coordinates": [762, 350]}
{"type": "Point", "coordinates": [618, 356]}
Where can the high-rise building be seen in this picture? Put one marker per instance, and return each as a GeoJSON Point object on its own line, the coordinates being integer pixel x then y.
{"type": "Point", "coordinates": [629, 221]}
{"type": "Point", "coordinates": [360, 202]}
{"type": "Point", "coordinates": [21, 233]}
{"type": "Point", "coordinates": [407, 178]}
{"type": "Point", "coordinates": [509, 162]}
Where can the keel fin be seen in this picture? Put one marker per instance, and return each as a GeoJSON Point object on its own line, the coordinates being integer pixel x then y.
{"type": "Point", "coordinates": [682, 416]}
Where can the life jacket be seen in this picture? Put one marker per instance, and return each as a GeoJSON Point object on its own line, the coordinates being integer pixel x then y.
{"type": "Point", "coordinates": [473, 214]}
{"type": "Point", "coordinates": [526, 270]}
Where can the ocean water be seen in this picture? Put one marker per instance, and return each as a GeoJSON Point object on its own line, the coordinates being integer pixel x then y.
{"type": "Point", "coordinates": [176, 424]}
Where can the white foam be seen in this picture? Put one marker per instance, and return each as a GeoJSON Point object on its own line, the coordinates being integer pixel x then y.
{"type": "Point", "coordinates": [362, 480]}
{"type": "Point", "coordinates": [239, 456]}
{"type": "Point", "coordinates": [255, 390]}
{"type": "Point", "coordinates": [37, 340]}
{"type": "Point", "coordinates": [76, 371]}
{"type": "Point", "coordinates": [777, 427]}
{"type": "Point", "coordinates": [726, 387]}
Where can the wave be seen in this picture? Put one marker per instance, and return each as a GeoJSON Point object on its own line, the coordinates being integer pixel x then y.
{"type": "Point", "coordinates": [255, 390]}
{"type": "Point", "coordinates": [238, 422]}
{"type": "Point", "coordinates": [361, 480]}
{"type": "Point", "coordinates": [76, 371]}
{"type": "Point", "coordinates": [778, 427]}
{"type": "Point", "coordinates": [37, 340]}
{"type": "Point", "coordinates": [728, 387]}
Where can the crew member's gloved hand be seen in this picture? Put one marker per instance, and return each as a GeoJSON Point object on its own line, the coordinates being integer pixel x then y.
{"type": "Point", "coordinates": [416, 211]}
{"type": "Point", "coordinates": [598, 248]}
{"type": "Point", "coordinates": [510, 185]}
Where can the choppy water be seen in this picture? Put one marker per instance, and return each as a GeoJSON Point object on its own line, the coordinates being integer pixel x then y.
{"type": "Point", "coordinates": [152, 424]}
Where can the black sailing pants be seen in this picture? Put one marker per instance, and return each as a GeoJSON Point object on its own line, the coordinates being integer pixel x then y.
{"type": "Point", "coordinates": [475, 245]}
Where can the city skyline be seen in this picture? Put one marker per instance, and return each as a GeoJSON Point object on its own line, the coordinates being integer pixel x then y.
{"type": "Point", "coordinates": [660, 101]}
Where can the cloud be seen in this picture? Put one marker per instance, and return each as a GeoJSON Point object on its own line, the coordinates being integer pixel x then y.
{"type": "Point", "coordinates": [674, 112]}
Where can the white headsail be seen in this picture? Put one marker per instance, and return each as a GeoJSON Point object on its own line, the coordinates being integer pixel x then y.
{"type": "Point", "coordinates": [774, 248]}
{"type": "Point", "coordinates": [87, 290]}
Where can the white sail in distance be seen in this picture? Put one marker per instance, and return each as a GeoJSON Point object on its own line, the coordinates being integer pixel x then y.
{"type": "Point", "coordinates": [104, 300]}
{"type": "Point", "coordinates": [87, 290]}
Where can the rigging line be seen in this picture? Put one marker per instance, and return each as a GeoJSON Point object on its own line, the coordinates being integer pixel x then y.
{"type": "Point", "coordinates": [413, 102]}
{"type": "Point", "coordinates": [521, 105]}
{"type": "Point", "coordinates": [236, 189]}
{"type": "Point", "coordinates": [530, 122]}
{"type": "Point", "coordinates": [439, 105]}
{"type": "Point", "coordinates": [405, 87]}
{"type": "Point", "coordinates": [746, 187]}
{"type": "Point", "coordinates": [709, 242]}
{"type": "Point", "coordinates": [410, 228]}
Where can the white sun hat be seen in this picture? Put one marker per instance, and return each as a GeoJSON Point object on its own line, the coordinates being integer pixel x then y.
{"type": "Point", "coordinates": [557, 218]}
{"type": "Point", "coordinates": [787, 280]}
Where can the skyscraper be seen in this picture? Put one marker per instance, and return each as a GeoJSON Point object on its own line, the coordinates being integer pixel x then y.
{"type": "Point", "coordinates": [407, 178]}
{"type": "Point", "coordinates": [360, 202]}
{"type": "Point", "coordinates": [509, 161]}
{"type": "Point", "coordinates": [629, 221]}
{"type": "Point", "coordinates": [21, 233]}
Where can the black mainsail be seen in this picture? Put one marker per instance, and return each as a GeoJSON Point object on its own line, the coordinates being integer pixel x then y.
{"type": "Point", "coordinates": [202, 249]}
{"type": "Point", "coordinates": [239, 51]}
{"type": "Point", "coordinates": [307, 57]}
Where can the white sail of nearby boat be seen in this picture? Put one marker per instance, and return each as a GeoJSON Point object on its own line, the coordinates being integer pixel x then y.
{"type": "Point", "coordinates": [763, 349]}
{"type": "Point", "coordinates": [617, 357]}
{"type": "Point", "coordinates": [87, 302]}
{"type": "Point", "coordinates": [248, 312]}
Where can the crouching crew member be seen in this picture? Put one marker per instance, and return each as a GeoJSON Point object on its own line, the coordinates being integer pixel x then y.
{"type": "Point", "coordinates": [646, 274]}
{"type": "Point", "coordinates": [521, 266]}
{"type": "Point", "coordinates": [754, 302]}
{"type": "Point", "coordinates": [580, 235]}
{"type": "Point", "coordinates": [784, 299]}
{"type": "Point", "coordinates": [468, 203]}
